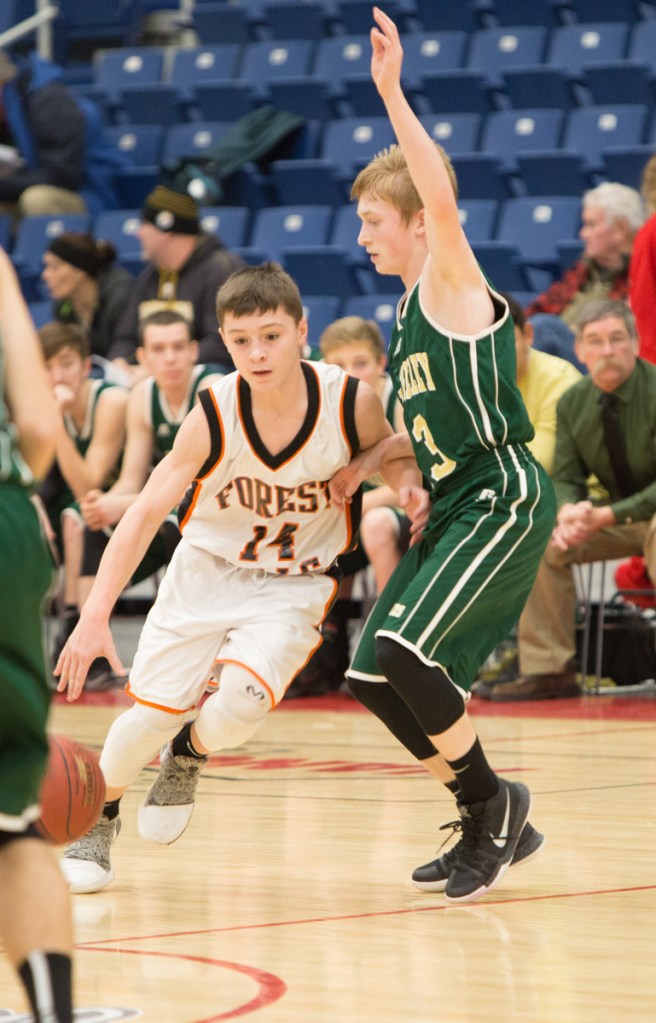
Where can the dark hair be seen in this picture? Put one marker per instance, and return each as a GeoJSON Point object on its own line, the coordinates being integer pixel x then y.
{"type": "Point", "coordinates": [517, 314]}
{"type": "Point", "coordinates": [258, 289]}
{"type": "Point", "coordinates": [83, 251]}
{"type": "Point", "coordinates": [162, 318]}
{"type": "Point", "coordinates": [55, 336]}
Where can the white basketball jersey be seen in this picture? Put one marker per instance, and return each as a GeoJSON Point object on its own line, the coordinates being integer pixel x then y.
{"type": "Point", "coordinates": [273, 512]}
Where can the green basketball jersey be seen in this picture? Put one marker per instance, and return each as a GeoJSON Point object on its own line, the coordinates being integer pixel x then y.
{"type": "Point", "coordinates": [82, 437]}
{"type": "Point", "coordinates": [164, 424]}
{"type": "Point", "coordinates": [460, 399]}
{"type": "Point", "coordinates": [13, 467]}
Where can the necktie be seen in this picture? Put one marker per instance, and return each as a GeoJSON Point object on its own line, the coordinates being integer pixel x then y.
{"type": "Point", "coordinates": [615, 445]}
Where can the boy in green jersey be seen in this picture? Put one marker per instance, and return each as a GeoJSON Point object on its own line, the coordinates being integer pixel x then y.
{"type": "Point", "coordinates": [461, 587]}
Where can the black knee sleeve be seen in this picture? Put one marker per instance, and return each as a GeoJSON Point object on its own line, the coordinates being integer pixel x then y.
{"type": "Point", "coordinates": [431, 696]}
{"type": "Point", "coordinates": [386, 704]}
{"type": "Point", "coordinates": [95, 541]}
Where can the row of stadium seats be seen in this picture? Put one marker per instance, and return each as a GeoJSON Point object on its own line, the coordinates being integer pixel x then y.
{"type": "Point", "coordinates": [318, 244]}
{"type": "Point", "coordinates": [496, 156]}
{"type": "Point", "coordinates": [450, 71]}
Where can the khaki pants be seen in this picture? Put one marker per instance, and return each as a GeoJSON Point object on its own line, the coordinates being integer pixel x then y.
{"type": "Point", "coordinates": [45, 199]}
{"type": "Point", "coordinates": [547, 625]}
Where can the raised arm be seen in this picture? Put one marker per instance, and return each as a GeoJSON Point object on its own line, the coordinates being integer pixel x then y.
{"type": "Point", "coordinates": [453, 287]}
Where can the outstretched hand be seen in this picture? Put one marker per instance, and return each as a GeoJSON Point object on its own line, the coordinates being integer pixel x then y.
{"type": "Point", "coordinates": [387, 53]}
{"type": "Point", "coordinates": [87, 641]}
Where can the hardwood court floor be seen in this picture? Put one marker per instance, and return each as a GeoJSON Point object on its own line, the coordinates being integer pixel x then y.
{"type": "Point", "coordinates": [288, 899]}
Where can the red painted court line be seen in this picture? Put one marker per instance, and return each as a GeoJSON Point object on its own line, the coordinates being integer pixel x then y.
{"type": "Point", "coordinates": [373, 915]}
{"type": "Point", "coordinates": [271, 987]}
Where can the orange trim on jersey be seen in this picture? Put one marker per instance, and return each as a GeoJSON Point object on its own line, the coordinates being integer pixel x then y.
{"type": "Point", "coordinates": [197, 483]}
{"type": "Point", "coordinates": [349, 529]}
{"type": "Point", "coordinates": [246, 667]}
{"type": "Point", "coordinates": [342, 423]}
{"type": "Point", "coordinates": [158, 706]}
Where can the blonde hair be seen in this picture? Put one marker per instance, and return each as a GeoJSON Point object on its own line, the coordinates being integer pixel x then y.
{"type": "Point", "coordinates": [387, 177]}
{"type": "Point", "coordinates": [350, 329]}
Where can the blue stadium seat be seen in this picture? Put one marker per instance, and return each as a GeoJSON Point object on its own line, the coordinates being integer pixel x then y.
{"type": "Point", "coordinates": [573, 46]}
{"type": "Point", "coordinates": [323, 270]}
{"type": "Point", "coordinates": [230, 223]}
{"type": "Point", "coordinates": [233, 99]}
{"type": "Point", "coordinates": [151, 104]}
{"type": "Point", "coordinates": [33, 235]}
{"type": "Point", "coordinates": [545, 86]}
{"type": "Point", "coordinates": [478, 218]}
{"type": "Point", "coordinates": [320, 311]}
{"type": "Point", "coordinates": [355, 15]}
{"type": "Point", "coordinates": [642, 43]}
{"type": "Point", "coordinates": [204, 64]}
{"type": "Point", "coordinates": [120, 228]}
{"type": "Point", "coordinates": [493, 49]}
{"type": "Point", "coordinates": [509, 132]}
{"type": "Point", "coordinates": [288, 19]}
{"type": "Point", "coordinates": [456, 92]}
{"type": "Point", "coordinates": [589, 130]}
{"type": "Point", "coordinates": [344, 234]}
{"type": "Point", "coordinates": [626, 11]}
{"type": "Point", "coordinates": [626, 163]}
{"type": "Point", "coordinates": [458, 133]}
{"type": "Point", "coordinates": [374, 307]}
{"type": "Point", "coordinates": [306, 96]}
{"type": "Point", "coordinates": [308, 182]}
{"type": "Point", "coordinates": [128, 66]}
{"type": "Point", "coordinates": [538, 12]}
{"type": "Point", "coordinates": [502, 263]}
{"type": "Point", "coordinates": [269, 59]}
{"type": "Point", "coordinates": [461, 15]}
{"type": "Point", "coordinates": [481, 176]}
{"type": "Point", "coordinates": [620, 78]}
{"type": "Point", "coordinates": [194, 138]}
{"type": "Point", "coordinates": [536, 225]}
{"type": "Point", "coordinates": [280, 227]}
{"type": "Point", "coordinates": [556, 171]}
{"type": "Point", "coordinates": [226, 23]}
{"type": "Point", "coordinates": [141, 143]}
{"type": "Point", "coordinates": [351, 142]}
{"type": "Point", "coordinates": [424, 52]}
{"type": "Point", "coordinates": [342, 55]}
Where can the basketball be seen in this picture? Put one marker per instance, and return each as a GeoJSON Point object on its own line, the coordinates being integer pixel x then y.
{"type": "Point", "coordinates": [73, 791]}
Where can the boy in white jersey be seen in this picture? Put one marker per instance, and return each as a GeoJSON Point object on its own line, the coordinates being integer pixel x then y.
{"type": "Point", "coordinates": [251, 578]}
{"type": "Point", "coordinates": [456, 594]}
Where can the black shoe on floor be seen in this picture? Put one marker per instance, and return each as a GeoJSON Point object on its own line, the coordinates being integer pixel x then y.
{"type": "Point", "coordinates": [433, 876]}
{"type": "Point", "coordinates": [490, 835]}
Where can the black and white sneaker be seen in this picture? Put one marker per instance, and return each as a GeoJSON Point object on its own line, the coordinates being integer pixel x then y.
{"type": "Point", "coordinates": [433, 876]}
{"type": "Point", "coordinates": [490, 834]}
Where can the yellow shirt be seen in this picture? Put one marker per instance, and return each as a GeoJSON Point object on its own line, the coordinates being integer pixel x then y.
{"type": "Point", "coordinates": [546, 378]}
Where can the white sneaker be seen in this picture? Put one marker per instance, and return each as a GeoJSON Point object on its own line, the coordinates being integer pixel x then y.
{"type": "Point", "coordinates": [169, 804]}
{"type": "Point", "coordinates": [85, 863]}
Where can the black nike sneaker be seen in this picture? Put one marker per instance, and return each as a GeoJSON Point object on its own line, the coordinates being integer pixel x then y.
{"type": "Point", "coordinates": [490, 834]}
{"type": "Point", "coordinates": [433, 876]}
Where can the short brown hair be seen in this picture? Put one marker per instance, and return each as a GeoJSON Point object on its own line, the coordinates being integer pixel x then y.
{"type": "Point", "coordinates": [601, 309]}
{"type": "Point", "coordinates": [349, 329]}
{"type": "Point", "coordinates": [162, 318]}
{"type": "Point", "coordinates": [259, 289]}
{"type": "Point", "coordinates": [55, 336]}
{"type": "Point", "coordinates": [387, 177]}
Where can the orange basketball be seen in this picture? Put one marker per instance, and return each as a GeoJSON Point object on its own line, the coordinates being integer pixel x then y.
{"type": "Point", "coordinates": [72, 793]}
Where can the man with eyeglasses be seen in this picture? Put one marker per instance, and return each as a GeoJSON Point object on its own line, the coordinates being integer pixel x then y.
{"type": "Point", "coordinates": [606, 428]}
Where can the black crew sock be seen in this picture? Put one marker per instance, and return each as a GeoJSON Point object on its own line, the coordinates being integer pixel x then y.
{"type": "Point", "coordinates": [182, 746]}
{"type": "Point", "coordinates": [46, 977]}
{"type": "Point", "coordinates": [110, 809]}
{"type": "Point", "coordinates": [474, 776]}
